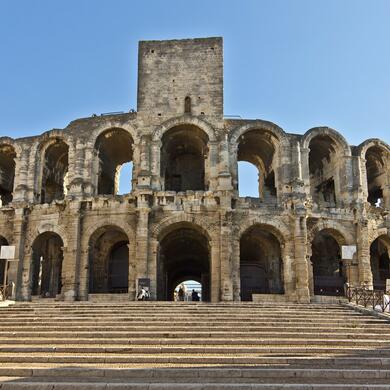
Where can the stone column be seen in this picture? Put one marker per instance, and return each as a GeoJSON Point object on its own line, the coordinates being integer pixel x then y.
{"type": "Point", "coordinates": [142, 238]}
{"type": "Point", "coordinates": [155, 165]}
{"type": "Point", "coordinates": [363, 248]}
{"type": "Point", "coordinates": [224, 178]}
{"type": "Point", "coordinates": [71, 253]}
{"type": "Point", "coordinates": [226, 257]}
{"type": "Point", "coordinates": [15, 270]}
{"type": "Point", "coordinates": [132, 271]}
{"type": "Point", "coordinates": [304, 170]}
{"type": "Point", "coordinates": [236, 281]}
{"type": "Point", "coordinates": [20, 193]}
{"type": "Point", "coordinates": [83, 275]}
{"type": "Point", "coordinates": [215, 272]}
{"type": "Point", "coordinates": [287, 249]}
{"type": "Point", "coordinates": [301, 266]}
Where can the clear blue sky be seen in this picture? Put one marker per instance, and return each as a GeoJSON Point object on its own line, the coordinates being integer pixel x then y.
{"type": "Point", "coordinates": [298, 63]}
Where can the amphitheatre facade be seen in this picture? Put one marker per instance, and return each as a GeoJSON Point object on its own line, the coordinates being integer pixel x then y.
{"type": "Point", "coordinates": [184, 218]}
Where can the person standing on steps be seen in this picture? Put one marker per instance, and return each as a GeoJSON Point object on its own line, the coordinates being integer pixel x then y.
{"type": "Point", "coordinates": [180, 293]}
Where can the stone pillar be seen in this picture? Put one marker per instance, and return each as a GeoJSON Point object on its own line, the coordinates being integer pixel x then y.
{"type": "Point", "coordinates": [155, 165]}
{"type": "Point", "coordinates": [301, 266]}
{"type": "Point", "coordinates": [236, 279]}
{"type": "Point", "coordinates": [364, 259]}
{"type": "Point", "coordinates": [224, 178]}
{"type": "Point", "coordinates": [305, 171]}
{"type": "Point", "coordinates": [215, 272]}
{"type": "Point", "coordinates": [142, 238]}
{"type": "Point", "coordinates": [20, 193]}
{"type": "Point", "coordinates": [211, 166]}
{"type": "Point", "coordinates": [132, 271]}
{"type": "Point", "coordinates": [83, 275]}
{"type": "Point", "coordinates": [16, 267]}
{"type": "Point", "coordinates": [24, 294]}
{"type": "Point", "coordinates": [71, 253]}
{"type": "Point", "coordinates": [287, 249]}
{"type": "Point", "coordinates": [226, 257]}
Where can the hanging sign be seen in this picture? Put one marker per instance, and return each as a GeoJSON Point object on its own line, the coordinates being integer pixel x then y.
{"type": "Point", "coordinates": [7, 252]}
{"type": "Point", "coordinates": [347, 252]}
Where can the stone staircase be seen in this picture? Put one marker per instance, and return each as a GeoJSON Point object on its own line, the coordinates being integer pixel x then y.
{"type": "Point", "coordinates": [191, 346]}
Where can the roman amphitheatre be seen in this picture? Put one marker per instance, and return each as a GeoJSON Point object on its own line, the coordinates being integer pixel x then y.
{"type": "Point", "coordinates": [84, 251]}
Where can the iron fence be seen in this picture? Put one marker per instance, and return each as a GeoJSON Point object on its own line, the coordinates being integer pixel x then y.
{"type": "Point", "coordinates": [377, 299]}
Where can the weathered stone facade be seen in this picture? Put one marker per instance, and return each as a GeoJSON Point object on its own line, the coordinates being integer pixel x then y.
{"type": "Point", "coordinates": [184, 218]}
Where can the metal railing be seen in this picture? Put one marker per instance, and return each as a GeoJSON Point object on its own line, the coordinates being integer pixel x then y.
{"type": "Point", "coordinates": [376, 299]}
{"type": "Point", "coordinates": [3, 292]}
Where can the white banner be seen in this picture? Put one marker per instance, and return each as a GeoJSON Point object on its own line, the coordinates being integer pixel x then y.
{"type": "Point", "coordinates": [7, 252]}
{"type": "Point", "coordinates": [347, 252]}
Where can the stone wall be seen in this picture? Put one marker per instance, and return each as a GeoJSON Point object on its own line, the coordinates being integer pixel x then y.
{"type": "Point", "coordinates": [320, 185]}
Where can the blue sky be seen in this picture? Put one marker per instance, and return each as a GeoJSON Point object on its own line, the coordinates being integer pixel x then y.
{"type": "Point", "coordinates": [298, 63]}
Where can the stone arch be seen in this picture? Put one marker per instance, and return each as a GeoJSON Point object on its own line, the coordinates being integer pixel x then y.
{"type": "Point", "coordinates": [272, 128]}
{"type": "Point", "coordinates": [258, 146]}
{"type": "Point", "coordinates": [333, 134]}
{"type": "Point", "coordinates": [107, 221]}
{"type": "Point", "coordinates": [44, 227]}
{"type": "Point", "coordinates": [262, 260]}
{"type": "Point", "coordinates": [365, 145]}
{"type": "Point", "coordinates": [51, 181]}
{"type": "Point", "coordinates": [113, 148]}
{"type": "Point", "coordinates": [380, 260]}
{"type": "Point", "coordinates": [108, 260]}
{"type": "Point", "coordinates": [47, 263]}
{"type": "Point", "coordinates": [335, 229]}
{"type": "Point", "coordinates": [113, 125]}
{"type": "Point", "coordinates": [325, 151]}
{"type": "Point", "coordinates": [157, 231]}
{"type": "Point", "coordinates": [182, 121]}
{"type": "Point", "coordinates": [327, 271]}
{"type": "Point", "coordinates": [183, 253]}
{"type": "Point", "coordinates": [375, 155]}
{"type": "Point", "coordinates": [278, 228]}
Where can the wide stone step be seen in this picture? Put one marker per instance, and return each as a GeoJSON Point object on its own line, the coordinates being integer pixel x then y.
{"type": "Point", "coordinates": [185, 386]}
{"type": "Point", "coordinates": [197, 349]}
{"type": "Point", "coordinates": [201, 359]}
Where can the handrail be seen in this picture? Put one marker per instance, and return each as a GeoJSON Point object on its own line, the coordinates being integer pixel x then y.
{"type": "Point", "coordinates": [365, 297]}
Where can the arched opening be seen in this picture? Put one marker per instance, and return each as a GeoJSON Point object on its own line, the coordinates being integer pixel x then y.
{"type": "Point", "coordinates": [323, 169]}
{"type": "Point", "coordinates": [248, 179]}
{"type": "Point", "coordinates": [329, 273]}
{"type": "Point", "coordinates": [261, 265]}
{"type": "Point", "coordinates": [184, 254]}
{"type": "Point", "coordinates": [114, 148]}
{"type": "Point", "coordinates": [47, 256]}
{"type": "Point", "coordinates": [188, 291]}
{"type": "Point", "coordinates": [109, 261]}
{"type": "Point", "coordinates": [258, 147]}
{"type": "Point", "coordinates": [376, 169]}
{"type": "Point", "coordinates": [187, 105]}
{"type": "Point", "coordinates": [54, 172]}
{"type": "Point", "coordinates": [125, 178]}
{"type": "Point", "coordinates": [183, 153]}
{"type": "Point", "coordinates": [3, 262]}
{"type": "Point", "coordinates": [7, 174]}
{"type": "Point", "coordinates": [380, 262]}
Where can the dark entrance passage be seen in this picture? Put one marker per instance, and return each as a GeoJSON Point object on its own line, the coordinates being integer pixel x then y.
{"type": "Point", "coordinates": [380, 262]}
{"type": "Point", "coordinates": [109, 261]}
{"type": "Point", "coordinates": [183, 255]}
{"type": "Point", "coordinates": [328, 270]}
{"type": "Point", "coordinates": [47, 265]}
{"type": "Point", "coordinates": [260, 263]}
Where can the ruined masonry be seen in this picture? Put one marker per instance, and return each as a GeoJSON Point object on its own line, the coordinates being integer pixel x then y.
{"type": "Point", "coordinates": [75, 237]}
